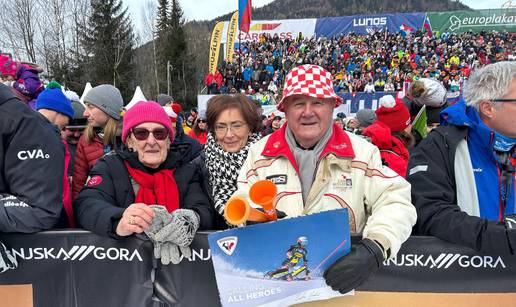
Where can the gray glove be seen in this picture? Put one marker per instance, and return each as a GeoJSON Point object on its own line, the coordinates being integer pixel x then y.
{"type": "Point", "coordinates": [170, 252]}
{"type": "Point", "coordinates": [181, 230]}
{"type": "Point", "coordinates": [7, 260]}
{"type": "Point", "coordinates": [161, 218]}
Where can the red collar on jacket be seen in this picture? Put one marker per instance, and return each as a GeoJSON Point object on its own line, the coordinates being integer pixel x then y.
{"type": "Point", "coordinates": [339, 144]}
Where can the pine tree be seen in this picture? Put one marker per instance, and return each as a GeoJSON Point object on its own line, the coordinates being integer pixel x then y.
{"type": "Point", "coordinates": [162, 29]}
{"type": "Point", "coordinates": [177, 50]}
{"type": "Point", "coordinates": [162, 22]}
{"type": "Point", "coordinates": [108, 40]}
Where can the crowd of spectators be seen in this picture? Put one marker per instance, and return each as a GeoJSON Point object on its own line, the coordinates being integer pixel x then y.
{"type": "Point", "coordinates": [376, 62]}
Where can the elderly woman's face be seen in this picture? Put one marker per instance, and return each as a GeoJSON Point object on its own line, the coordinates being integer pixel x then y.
{"type": "Point", "coordinates": [151, 141]}
{"type": "Point", "coordinates": [231, 130]}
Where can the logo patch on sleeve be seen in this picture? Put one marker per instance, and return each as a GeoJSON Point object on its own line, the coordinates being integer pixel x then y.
{"type": "Point", "coordinates": [94, 181]}
{"type": "Point", "coordinates": [277, 179]}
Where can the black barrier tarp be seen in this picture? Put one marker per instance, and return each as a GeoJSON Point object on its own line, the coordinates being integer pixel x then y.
{"type": "Point", "coordinates": [80, 269]}
{"type": "Point", "coordinates": [427, 264]}
{"type": "Point", "coordinates": [77, 268]}
{"type": "Point", "coordinates": [192, 283]}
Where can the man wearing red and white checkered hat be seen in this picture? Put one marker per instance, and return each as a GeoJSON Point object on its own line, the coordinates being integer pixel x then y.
{"type": "Point", "coordinates": [317, 166]}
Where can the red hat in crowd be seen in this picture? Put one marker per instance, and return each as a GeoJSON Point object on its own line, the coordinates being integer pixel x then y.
{"type": "Point", "coordinates": [393, 113]}
{"type": "Point", "coordinates": [176, 107]}
{"type": "Point", "coordinates": [8, 67]}
{"type": "Point", "coordinates": [308, 80]}
{"type": "Point", "coordinates": [171, 114]}
{"type": "Point", "coordinates": [144, 112]}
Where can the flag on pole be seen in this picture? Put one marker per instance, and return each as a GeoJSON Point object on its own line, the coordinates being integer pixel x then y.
{"type": "Point", "coordinates": [419, 123]}
{"type": "Point", "coordinates": [244, 15]}
{"type": "Point", "coordinates": [428, 27]}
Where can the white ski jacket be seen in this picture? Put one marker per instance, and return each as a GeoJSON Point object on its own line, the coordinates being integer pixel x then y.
{"type": "Point", "coordinates": [349, 175]}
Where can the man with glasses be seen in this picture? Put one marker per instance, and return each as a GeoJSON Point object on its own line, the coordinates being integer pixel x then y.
{"type": "Point", "coordinates": [317, 166]}
{"type": "Point", "coordinates": [462, 175]}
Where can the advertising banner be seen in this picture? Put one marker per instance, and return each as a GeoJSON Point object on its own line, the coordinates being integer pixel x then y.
{"type": "Point", "coordinates": [78, 268]}
{"type": "Point", "coordinates": [279, 263]}
{"type": "Point", "coordinates": [216, 37]}
{"type": "Point", "coordinates": [285, 29]}
{"type": "Point", "coordinates": [476, 21]}
{"type": "Point", "coordinates": [81, 269]}
{"type": "Point", "coordinates": [364, 24]}
{"type": "Point", "coordinates": [231, 35]}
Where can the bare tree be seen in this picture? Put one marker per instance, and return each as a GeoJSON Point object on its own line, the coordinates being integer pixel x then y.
{"type": "Point", "coordinates": [148, 33]}
{"type": "Point", "coordinates": [18, 24]}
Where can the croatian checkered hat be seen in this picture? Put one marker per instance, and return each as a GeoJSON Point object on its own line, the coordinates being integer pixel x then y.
{"type": "Point", "coordinates": [308, 80]}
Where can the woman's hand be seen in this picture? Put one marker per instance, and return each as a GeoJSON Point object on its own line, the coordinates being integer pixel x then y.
{"type": "Point", "coordinates": [135, 219]}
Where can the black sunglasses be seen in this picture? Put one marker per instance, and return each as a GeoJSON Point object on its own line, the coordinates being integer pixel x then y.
{"type": "Point", "coordinates": [202, 120]}
{"type": "Point", "coordinates": [141, 134]}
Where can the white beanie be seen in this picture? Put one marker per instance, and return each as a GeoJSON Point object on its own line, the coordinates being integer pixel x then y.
{"type": "Point", "coordinates": [387, 101]}
{"type": "Point", "coordinates": [434, 95]}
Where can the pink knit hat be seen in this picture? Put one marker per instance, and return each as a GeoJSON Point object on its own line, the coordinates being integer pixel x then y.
{"type": "Point", "coordinates": [145, 112]}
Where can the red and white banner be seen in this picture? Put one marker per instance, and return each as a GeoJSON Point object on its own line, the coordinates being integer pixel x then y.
{"type": "Point", "coordinates": [285, 29]}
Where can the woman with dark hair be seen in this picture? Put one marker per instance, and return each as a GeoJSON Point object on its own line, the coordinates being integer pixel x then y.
{"type": "Point", "coordinates": [234, 125]}
{"type": "Point", "coordinates": [200, 130]}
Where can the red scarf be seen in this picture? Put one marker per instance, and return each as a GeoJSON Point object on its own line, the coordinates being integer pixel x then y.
{"type": "Point", "coordinates": [156, 189]}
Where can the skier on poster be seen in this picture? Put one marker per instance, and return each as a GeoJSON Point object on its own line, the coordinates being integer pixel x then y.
{"type": "Point", "coordinates": [291, 266]}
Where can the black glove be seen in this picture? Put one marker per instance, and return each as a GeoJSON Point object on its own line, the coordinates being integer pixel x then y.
{"type": "Point", "coordinates": [350, 271]}
{"type": "Point", "coordinates": [7, 260]}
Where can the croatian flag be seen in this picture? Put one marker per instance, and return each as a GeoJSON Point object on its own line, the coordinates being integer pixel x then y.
{"type": "Point", "coordinates": [404, 29]}
{"type": "Point", "coordinates": [244, 15]}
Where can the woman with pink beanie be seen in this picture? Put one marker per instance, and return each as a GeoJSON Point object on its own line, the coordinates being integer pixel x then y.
{"type": "Point", "coordinates": [145, 188]}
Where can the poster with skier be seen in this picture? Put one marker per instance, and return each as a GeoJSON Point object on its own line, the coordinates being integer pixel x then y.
{"type": "Point", "coordinates": [279, 263]}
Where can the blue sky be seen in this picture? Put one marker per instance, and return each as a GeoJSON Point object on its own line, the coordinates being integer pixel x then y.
{"type": "Point", "coordinates": [209, 9]}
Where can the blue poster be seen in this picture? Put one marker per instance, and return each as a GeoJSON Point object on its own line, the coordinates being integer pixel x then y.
{"type": "Point", "coordinates": [279, 263]}
{"type": "Point", "coordinates": [358, 101]}
{"type": "Point", "coordinates": [364, 24]}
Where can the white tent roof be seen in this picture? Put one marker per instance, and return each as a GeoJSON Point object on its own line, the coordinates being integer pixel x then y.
{"type": "Point", "coordinates": [87, 88]}
{"type": "Point", "coordinates": [138, 96]}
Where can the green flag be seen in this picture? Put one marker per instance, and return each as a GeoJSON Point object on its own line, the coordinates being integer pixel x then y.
{"type": "Point", "coordinates": [419, 123]}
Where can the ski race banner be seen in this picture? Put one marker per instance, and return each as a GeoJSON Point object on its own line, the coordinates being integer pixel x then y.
{"type": "Point", "coordinates": [476, 21]}
{"type": "Point", "coordinates": [364, 24]}
{"type": "Point", "coordinates": [256, 266]}
{"type": "Point", "coordinates": [329, 26]}
{"type": "Point", "coordinates": [352, 102]}
{"type": "Point", "coordinates": [285, 29]}
{"type": "Point", "coordinates": [80, 269]}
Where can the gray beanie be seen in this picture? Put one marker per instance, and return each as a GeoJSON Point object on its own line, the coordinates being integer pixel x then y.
{"type": "Point", "coordinates": [366, 117]}
{"type": "Point", "coordinates": [163, 99]}
{"type": "Point", "coordinates": [107, 98]}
